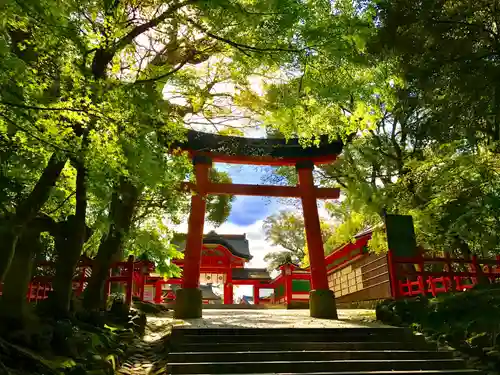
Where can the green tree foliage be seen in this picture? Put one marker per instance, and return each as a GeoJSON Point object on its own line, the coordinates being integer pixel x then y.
{"type": "Point", "coordinates": [85, 125]}
{"type": "Point", "coordinates": [420, 106]}
{"type": "Point", "coordinates": [219, 206]}
{"type": "Point", "coordinates": [446, 51]}
{"type": "Point", "coordinates": [92, 94]}
{"type": "Point", "coordinates": [286, 230]}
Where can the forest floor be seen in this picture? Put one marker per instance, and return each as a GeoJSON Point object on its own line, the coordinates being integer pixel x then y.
{"type": "Point", "coordinates": [148, 356]}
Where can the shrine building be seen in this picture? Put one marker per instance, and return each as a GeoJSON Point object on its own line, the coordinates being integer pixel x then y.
{"type": "Point", "coordinates": [223, 258]}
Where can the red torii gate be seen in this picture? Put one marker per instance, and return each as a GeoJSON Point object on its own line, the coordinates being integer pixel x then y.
{"type": "Point", "coordinates": [208, 148]}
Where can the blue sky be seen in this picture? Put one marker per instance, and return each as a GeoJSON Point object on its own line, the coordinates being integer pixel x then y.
{"type": "Point", "coordinates": [247, 210]}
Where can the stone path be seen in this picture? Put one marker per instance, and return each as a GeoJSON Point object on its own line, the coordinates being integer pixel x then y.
{"type": "Point", "coordinates": [148, 356]}
{"type": "Point", "coordinates": [278, 318]}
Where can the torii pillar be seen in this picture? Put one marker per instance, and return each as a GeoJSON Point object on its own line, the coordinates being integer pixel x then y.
{"type": "Point", "coordinates": [188, 302]}
{"type": "Point", "coordinates": [321, 298]}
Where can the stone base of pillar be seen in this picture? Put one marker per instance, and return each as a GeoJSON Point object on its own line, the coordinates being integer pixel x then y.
{"type": "Point", "coordinates": [188, 303]}
{"type": "Point", "coordinates": [322, 304]}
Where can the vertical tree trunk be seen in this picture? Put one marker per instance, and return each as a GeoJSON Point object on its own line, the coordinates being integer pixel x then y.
{"type": "Point", "coordinates": [69, 246]}
{"type": "Point", "coordinates": [18, 277]}
{"type": "Point", "coordinates": [464, 248]}
{"type": "Point", "coordinates": [27, 210]}
{"type": "Point", "coordinates": [122, 208]}
{"type": "Point", "coordinates": [17, 281]}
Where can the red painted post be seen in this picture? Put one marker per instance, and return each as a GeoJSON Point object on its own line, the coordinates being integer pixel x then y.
{"type": "Point", "coordinates": [421, 283]}
{"type": "Point", "coordinates": [82, 281]}
{"type": "Point", "coordinates": [142, 280]}
{"type": "Point", "coordinates": [256, 294]}
{"type": "Point", "coordinates": [476, 269]}
{"type": "Point", "coordinates": [228, 288]}
{"type": "Point", "coordinates": [288, 285]}
{"type": "Point", "coordinates": [130, 280]}
{"type": "Point", "coordinates": [319, 280]}
{"type": "Point", "coordinates": [228, 294]}
{"type": "Point", "coordinates": [194, 241]}
{"type": "Point", "coordinates": [158, 291]}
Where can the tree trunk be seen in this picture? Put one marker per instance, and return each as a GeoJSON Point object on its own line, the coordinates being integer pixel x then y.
{"type": "Point", "coordinates": [27, 210]}
{"type": "Point", "coordinates": [464, 248]}
{"type": "Point", "coordinates": [122, 208]}
{"type": "Point", "coordinates": [18, 277]}
{"type": "Point", "coordinates": [69, 246]}
{"type": "Point", "coordinates": [17, 281]}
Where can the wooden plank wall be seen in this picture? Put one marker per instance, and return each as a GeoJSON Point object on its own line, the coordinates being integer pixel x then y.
{"type": "Point", "coordinates": [361, 280]}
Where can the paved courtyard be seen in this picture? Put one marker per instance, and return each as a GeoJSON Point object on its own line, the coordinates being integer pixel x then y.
{"type": "Point", "coordinates": [273, 318]}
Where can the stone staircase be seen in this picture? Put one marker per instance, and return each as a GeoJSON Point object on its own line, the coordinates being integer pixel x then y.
{"type": "Point", "coordinates": [318, 351]}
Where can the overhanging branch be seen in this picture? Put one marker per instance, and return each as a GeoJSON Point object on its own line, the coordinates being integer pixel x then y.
{"type": "Point", "coordinates": [162, 76]}
{"type": "Point", "coordinates": [104, 56]}
{"type": "Point", "coordinates": [242, 47]}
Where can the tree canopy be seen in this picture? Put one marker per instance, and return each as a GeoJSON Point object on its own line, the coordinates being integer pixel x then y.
{"type": "Point", "coordinates": [94, 93]}
{"type": "Point", "coordinates": [416, 92]}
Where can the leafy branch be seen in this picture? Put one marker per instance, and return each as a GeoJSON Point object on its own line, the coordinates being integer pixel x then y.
{"type": "Point", "coordinates": [240, 46]}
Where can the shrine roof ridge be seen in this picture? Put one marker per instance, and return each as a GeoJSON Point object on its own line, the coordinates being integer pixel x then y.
{"type": "Point", "coordinates": [237, 244]}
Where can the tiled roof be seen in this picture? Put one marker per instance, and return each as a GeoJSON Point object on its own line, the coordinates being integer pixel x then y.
{"type": "Point", "coordinates": [251, 274]}
{"type": "Point", "coordinates": [207, 292]}
{"type": "Point", "coordinates": [237, 244]}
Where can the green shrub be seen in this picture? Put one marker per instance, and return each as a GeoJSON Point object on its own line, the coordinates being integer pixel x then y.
{"type": "Point", "coordinates": [469, 320]}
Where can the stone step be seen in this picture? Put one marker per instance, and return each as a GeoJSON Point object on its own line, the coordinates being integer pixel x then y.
{"type": "Point", "coordinates": [284, 331]}
{"type": "Point", "coordinates": [311, 355]}
{"type": "Point", "coordinates": [405, 372]}
{"type": "Point", "coordinates": [292, 335]}
{"type": "Point", "coordinates": [299, 366]}
{"type": "Point", "coordinates": [298, 346]}
{"type": "Point", "coordinates": [291, 338]}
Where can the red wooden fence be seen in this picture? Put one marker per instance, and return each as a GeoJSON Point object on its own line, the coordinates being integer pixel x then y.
{"type": "Point", "coordinates": [132, 274]}
{"type": "Point", "coordinates": [410, 276]}
{"type": "Point", "coordinates": [456, 274]}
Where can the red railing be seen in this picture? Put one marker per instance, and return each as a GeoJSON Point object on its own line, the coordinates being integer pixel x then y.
{"type": "Point", "coordinates": [419, 277]}
{"type": "Point", "coordinates": [38, 290]}
{"type": "Point", "coordinates": [283, 282]}
{"type": "Point", "coordinates": [423, 275]}
{"type": "Point", "coordinates": [133, 274]}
